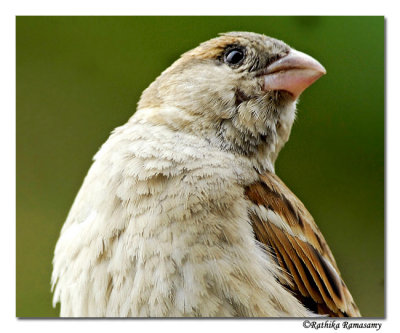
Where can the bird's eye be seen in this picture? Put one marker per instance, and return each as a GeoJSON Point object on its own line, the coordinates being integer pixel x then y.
{"type": "Point", "coordinates": [234, 57]}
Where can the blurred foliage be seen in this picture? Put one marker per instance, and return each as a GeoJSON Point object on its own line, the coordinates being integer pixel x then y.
{"type": "Point", "coordinates": [80, 77]}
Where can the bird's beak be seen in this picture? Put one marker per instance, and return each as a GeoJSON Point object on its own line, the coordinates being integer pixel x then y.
{"type": "Point", "coordinates": [293, 73]}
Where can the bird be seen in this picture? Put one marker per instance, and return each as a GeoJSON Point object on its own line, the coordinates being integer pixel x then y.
{"type": "Point", "coordinates": [181, 213]}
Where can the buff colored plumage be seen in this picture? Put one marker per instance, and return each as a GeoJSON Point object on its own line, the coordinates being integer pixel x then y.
{"type": "Point", "coordinates": [181, 213]}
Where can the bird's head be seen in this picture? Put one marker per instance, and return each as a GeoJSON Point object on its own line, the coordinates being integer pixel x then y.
{"type": "Point", "coordinates": [239, 90]}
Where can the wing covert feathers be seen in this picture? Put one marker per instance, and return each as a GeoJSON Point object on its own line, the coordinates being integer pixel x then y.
{"type": "Point", "coordinates": [283, 225]}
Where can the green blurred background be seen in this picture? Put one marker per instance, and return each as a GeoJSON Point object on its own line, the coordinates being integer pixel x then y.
{"type": "Point", "coordinates": [80, 77]}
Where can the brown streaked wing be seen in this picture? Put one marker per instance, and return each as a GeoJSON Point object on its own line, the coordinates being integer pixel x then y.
{"type": "Point", "coordinates": [299, 249]}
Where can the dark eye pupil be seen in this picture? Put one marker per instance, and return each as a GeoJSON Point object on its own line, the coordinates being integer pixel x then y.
{"type": "Point", "coordinates": [234, 57]}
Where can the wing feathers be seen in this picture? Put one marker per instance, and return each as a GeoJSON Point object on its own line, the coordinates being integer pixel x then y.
{"type": "Point", "coordinates": [289, 231]}
{"type": "Point", "coordinates": [293, 268]}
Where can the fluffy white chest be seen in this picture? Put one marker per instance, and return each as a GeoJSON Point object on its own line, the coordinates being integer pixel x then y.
{"type": "Point", "coordinates": [160, 228]}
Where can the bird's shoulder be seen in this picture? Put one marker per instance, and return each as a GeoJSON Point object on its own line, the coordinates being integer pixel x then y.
{"type": "Point", "coordinates": [283, 224]}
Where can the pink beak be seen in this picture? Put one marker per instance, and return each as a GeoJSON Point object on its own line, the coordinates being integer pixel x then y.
{"type": "Point", "coordinates": [293, 73]}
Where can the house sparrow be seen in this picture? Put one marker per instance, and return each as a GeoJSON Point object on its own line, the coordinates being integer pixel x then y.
{"type": "Point", "coordinates": [182, 214]}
